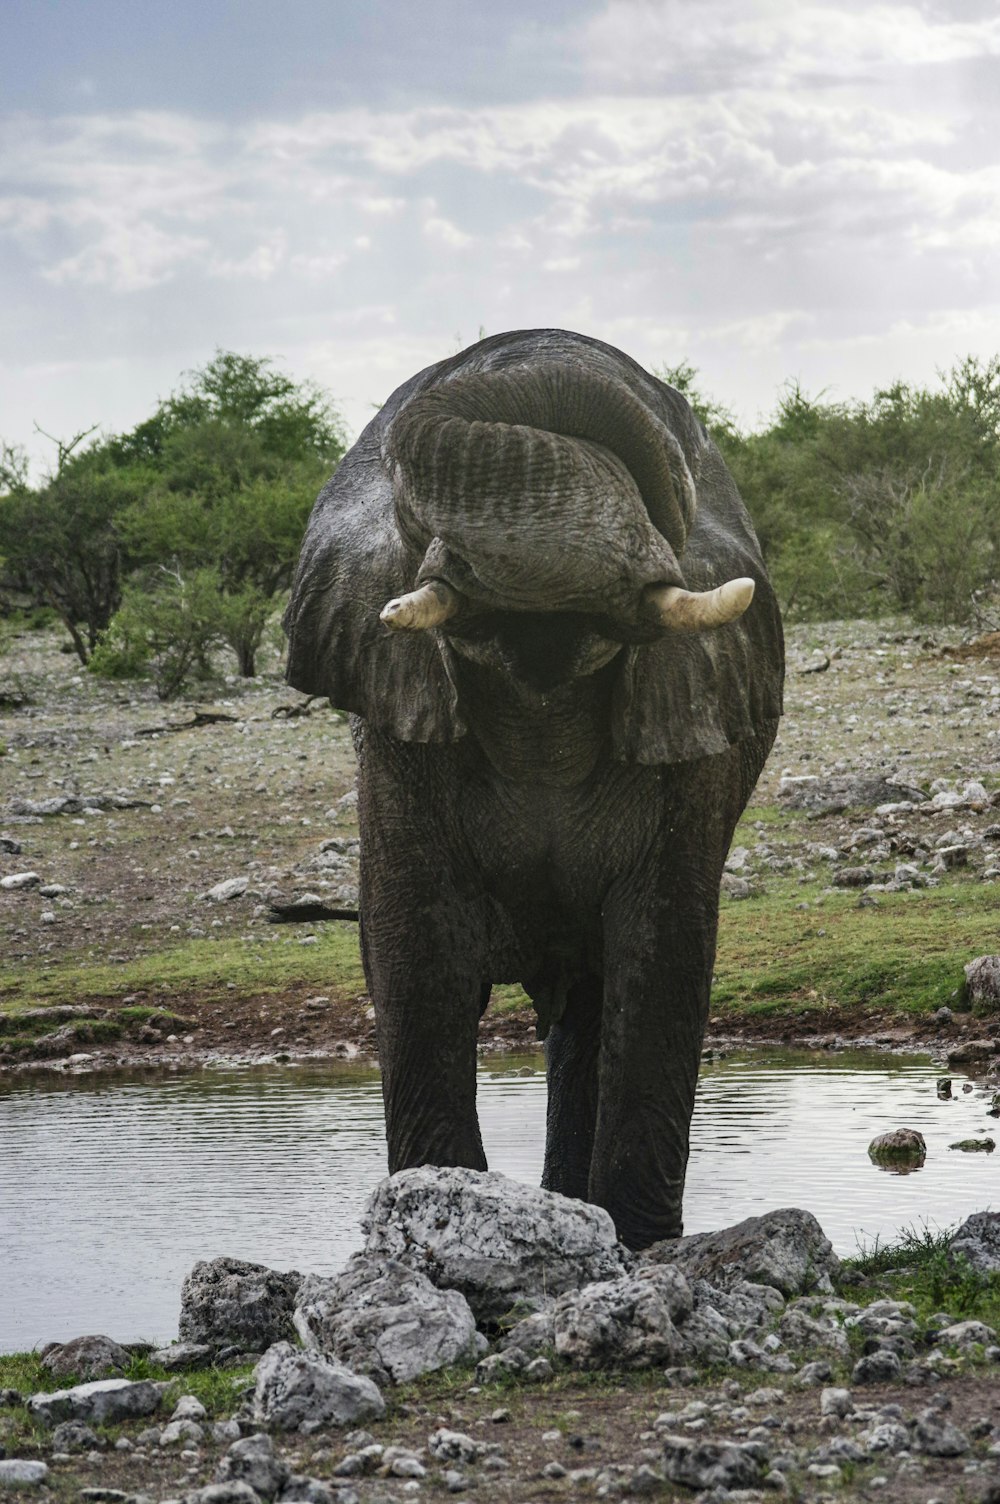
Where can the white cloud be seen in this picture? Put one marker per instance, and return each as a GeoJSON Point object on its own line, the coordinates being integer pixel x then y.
{"type": "Point", "coordinates": [445, 233]}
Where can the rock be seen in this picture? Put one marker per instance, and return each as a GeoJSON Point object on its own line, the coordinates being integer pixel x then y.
{"type": "Point", "coordinates": [629, 1322]}
{"type": "Point", "coordinates": [880, 1367]}
{"type": "Point", "coordinates": [251, 1460]}
{"type": "Point", "coordinates": [974, 1145]}
{"type": "Point", "coordinates": [966, 1334]}
{"type": "Point", "coordinates": [88, 1357]}
{"type": "Point", "coordinates": [900, 1147]}
{"type": "Point", "coordinates": [453, 1446]}
{"type": "Point", "coordinates": [74, 1436]}
{"type": "Point", "coordinates": [189, 1408]}
{"type": "Point", "coordinates": [787, 1249]}
{"type": "Point", "coordinates": [176, 1431]}
{"type": "Point", "coordinates": [103, 1402]}
{"type": "Point", "coordinates": [700, 1463]}
{"type": "Point", "coordinates": [303, 1490]}
{"type": "Point", "coordinates": [853, 877]}
{"type": "Point", "coordinates": [982, 984]}
{"type": "Point", "coordinates": [15, 881]}
{"type": "Point", "coordinates": [490, 1237]}
{"type": "Point", "coordinates": [386, 1320]}
{"type": "Point", "coordinates": [801, 1330]}
{"type": "Point", "coordinates": [837, 1402]}
{"type": "Point", "coordinates": [302, 1391]}
{"type": "Point", "coordinates": [978, 1240]}
{"type": "Point", "coordinates": [185, 1355]}
{"type": "Point", "coordinates": [234, 1491]}
{"type": "Point", "coordinates": [972, 1052]}
{"type": "Point", "coordinates": [10, 846]}
{"type": "Point", "coordinates": [228, 1302]}
{"type": "Point", "coordinates": [18, 1473]}
{"type": "Point", "coordinates": [232, 887]}
{"type": "Point", "coordinates": [845, 791]}
{"type": "Point", "coordinates": [937, 1437]}
{"type": "Point", "coordinates": [532, 1334]}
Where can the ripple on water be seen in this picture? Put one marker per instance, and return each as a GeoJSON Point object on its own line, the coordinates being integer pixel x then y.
{"type": "Point", "coordinates": [112, 1187]}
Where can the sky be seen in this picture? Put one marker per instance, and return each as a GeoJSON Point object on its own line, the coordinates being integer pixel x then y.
{"type": "Point", "coordinates": [771, 190]}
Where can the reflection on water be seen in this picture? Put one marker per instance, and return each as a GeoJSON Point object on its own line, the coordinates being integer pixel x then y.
{"type": "Point", "coordinates": [111, 1188]}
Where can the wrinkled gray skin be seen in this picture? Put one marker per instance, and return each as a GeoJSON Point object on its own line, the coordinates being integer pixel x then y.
{"type": "Point", "coordinates": [549, 782]}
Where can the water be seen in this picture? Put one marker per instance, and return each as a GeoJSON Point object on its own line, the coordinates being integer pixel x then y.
{"type": "Point", "coordinates": [112, 1187]}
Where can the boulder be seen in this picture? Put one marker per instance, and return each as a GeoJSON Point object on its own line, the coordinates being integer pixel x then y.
{"type": "Point", "coordinates": [982, 984]}
{"type": "Point", "coordinates": [17, 1472]}
{"type": "Point", "coordinates": [695, 1462]}
{"type": "Point", "coordinates": [846, 791]}
{"type": "Point", "coordinates": [304, 1391]}
{"type": "Point", "coordinates": [978, 1240]}
{"type": "Point", "coordinates": [623, 1323]}
{"type": "Point", "coordinates": [104, 1402]}
{"type": "Point", "coordinates": [184, 1355]}
{"type": "Point", "coordinates": [386, 1320]}
{"type": "Point", "coordinates": [492, 1238]}
{"type": "Point", "coordinates": [226, 1303]}
{"type": "Point", "coordinates": [251, 1462]}
{"type": "Point", "coordinates": [787, 1249]}
{"type": "Point", "coordinates": [900, 1148]}
{"type": "Point", "coordinates": [86, 1357]}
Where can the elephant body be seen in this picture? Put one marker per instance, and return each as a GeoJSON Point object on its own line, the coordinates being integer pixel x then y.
{"type": "Point", "coordinates": [548, 778]}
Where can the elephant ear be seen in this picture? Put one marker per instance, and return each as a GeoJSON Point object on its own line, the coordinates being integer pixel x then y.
{"type": "Point", "coordinates": [691, 695]}
{"type": "Point", "coordinates": [352, 562]}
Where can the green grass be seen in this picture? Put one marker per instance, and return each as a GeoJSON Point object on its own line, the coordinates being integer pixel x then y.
{"type": "Point", "coordinates": [905, 955]}
{"type": "Point", "coordinates": [204, 966]}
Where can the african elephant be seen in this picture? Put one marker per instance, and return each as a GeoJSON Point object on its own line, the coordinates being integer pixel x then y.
{"type": "Point", "coordinates": [530, 580]}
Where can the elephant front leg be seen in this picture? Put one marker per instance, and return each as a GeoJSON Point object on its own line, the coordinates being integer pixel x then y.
{"type": "Point", "coordinates": [426, 1022]}
{"type": "Point", "coordinates": [571, 1051]}
{"type": "Point", "coordinates": [659, 961]}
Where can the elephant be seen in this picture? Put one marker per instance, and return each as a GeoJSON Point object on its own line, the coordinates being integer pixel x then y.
{"type": "Point", "coordinates": [534, 586]}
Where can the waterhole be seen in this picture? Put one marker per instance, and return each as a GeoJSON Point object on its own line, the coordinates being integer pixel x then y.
{"type": "Point", "coordinates": [112, 1187]}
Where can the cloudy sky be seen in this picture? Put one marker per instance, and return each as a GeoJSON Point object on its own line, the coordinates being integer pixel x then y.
{"type": "Point", "coordinates": [767, 188]}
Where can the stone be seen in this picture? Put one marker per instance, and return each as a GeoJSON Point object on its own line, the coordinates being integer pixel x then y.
{"type": "Point", "coordinates": [303, 1490]}
{"type": "Point", "coordinates": [304, 1391]}
{"type": "Point", "coordinates": [224, 892]}
{"type": "Point", "coordinates": [629, 1322]}
{"type": "Point", "coordinates": [453, 1446]}
{"type": "Point", "coordinates": [387, 1320]}
{"type": "Point", "coordinates": [982, 984]}
{"type": "Point", "coordinates": [881, 1367]}
{"type": "Point", "coordinates": [16, 881]}
{"type": "Point", "coordinates": [188, 1407]}
{"type": "Point", "coordinates": [16, 1472]}
{"type": "Point", "coordinates": [838, 1402]}
{"type": "Point", "coordinates": [966, 1334]}
{"type": "Point", "coordinates": [853, 877]}
{"type": "Point", "coordinates": [801, 1330]}
{"type": "Point", "coordinates": [786, 1249]}
{"type": "Point", "coordinates": [937, 1437]}
{"type": "Point", "coordinates": [86, 1358]}
{"type": "Point", "coordinates": [186, 1431]}
{"type": "Point", "coordinates": [972, 1052]}
{"type": "Point", "coordinates": [845, 791]}
{"type": "Point", "coordinates": [74, 1436]}
{"type": "Point", "coordinates": [184, 1355]}
{"type": "Point", "coordinates": [490, 1237]}
{"type": "Point", "coordinates": [103, 1402]}
{"type": "Point", "coordinates": [900, 1147]}
{"type": "Point", "coordinates": [696, 1462]}
{"type": "Point", "coordinates": [974, 1145]}
{"type": "Point", "coordinates": [233, 1491]}
{"type": "Point", "coordinates": [227, 1302]}
{"type": "Point", "coordinates": [251, 1460]}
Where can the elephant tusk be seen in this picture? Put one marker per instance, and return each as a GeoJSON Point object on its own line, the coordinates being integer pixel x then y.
{"type": "Point", "coordinates": [697, 610]}
{"type": "Point", "coordinates": [429, 606]}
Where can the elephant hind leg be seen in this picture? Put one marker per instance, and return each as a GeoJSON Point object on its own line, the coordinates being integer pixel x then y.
{"type": "Point", "coordinates": [571, 1055]}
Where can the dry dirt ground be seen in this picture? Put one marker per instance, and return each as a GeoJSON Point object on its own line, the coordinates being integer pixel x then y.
{"type": "Point", "coordinates": [129, 811]}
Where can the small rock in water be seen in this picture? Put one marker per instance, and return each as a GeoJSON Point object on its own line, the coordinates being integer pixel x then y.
{"type": "Point", "coordinates": [974, 1145]}
{"type": "Point", "coordinates": [901, 1148]}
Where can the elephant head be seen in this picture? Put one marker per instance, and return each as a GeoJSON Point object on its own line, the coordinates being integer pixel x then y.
{"type": "Point", "coordinates": [543, 478]}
